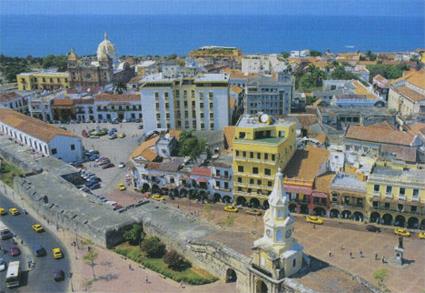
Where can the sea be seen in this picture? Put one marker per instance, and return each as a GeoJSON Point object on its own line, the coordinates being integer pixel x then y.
{"type": "Point", "coordinates": [40, 35]}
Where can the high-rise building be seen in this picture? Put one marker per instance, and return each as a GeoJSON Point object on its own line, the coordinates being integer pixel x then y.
{"type": "Point", "coordinates": [261, 145]}
{"type": "Point", "coordinates": [265, 94]}
{"type": "Point", "coordinates": [200, 102]}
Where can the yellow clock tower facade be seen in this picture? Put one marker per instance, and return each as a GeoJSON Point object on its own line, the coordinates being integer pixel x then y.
{"type": "Point", "coordinates": [277, 255]}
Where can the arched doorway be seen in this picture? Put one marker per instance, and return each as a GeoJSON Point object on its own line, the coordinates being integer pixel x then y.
{"type": "Point", "coordinates": [292, 207]}
{"type": "Point", "coordinates": [358, 216]}
{"type": "Point", "coordinates": [183, 192]}
{"type": "Point", "coordinates": [304, 209]}
{"type": "Point", "coordinates": [261, 287]}
{"type": "Point", "coordinates": [231, 276]}
{"type": "Point", "coordinates": [334, 213]}
{"type": "Point", "coordinates": [346, 214]}
{"type": "Point", "coordinates": [241, 201]}
{"type": "Point", "coordinates": [145, 187]}
{"type": "Point", "coordinates": [375, 217]}
{"type": "Point", "coordinates": [318, 211]}
{"type": "Point", "coordinates": [422, 226]}
{"type": "Point", "coordinates": [203, 195]}
{"type": "Point", "coordinates": [155, 188]}
{"type": "Point", "coordinates": [266, 205]}
{"type": "Point", "coordinates": [255, 203]}
{"type": "Point", "coordinates": [216, 197]}
{"type": "Point", "coordinates": [387, 219]}
{"type": "Point", "coordinates": [227, 199]}
{"type": "Point", "coordinates": [400, 221]}
{"type": "Point", "coordinates": [413, 223]}
{"type": "Point", "coordinates": [193, 194]}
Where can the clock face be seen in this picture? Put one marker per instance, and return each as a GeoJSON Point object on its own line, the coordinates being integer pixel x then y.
{"type": "Point", "coordinates": [288, 233]}
{"type": "Point", "coordinates": [268, 233]}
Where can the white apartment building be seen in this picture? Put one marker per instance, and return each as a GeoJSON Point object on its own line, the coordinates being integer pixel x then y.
{"type": "Point", "coordinates": [42, 137]}
{"type": "Point", "coordinates": [200, 102]}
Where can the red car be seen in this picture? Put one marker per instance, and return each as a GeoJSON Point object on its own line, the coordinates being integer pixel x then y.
{"type": "Point", "coordinates": [15, 251]}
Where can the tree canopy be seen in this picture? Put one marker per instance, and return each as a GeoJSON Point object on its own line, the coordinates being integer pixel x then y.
{"type": "Point", "coordinates": [190, 145]}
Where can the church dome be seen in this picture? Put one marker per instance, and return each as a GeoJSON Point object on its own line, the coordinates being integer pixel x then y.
{"type": "Point", "coordinates": [72, 56]}
{"type": "Point", "coordinates": [105, 50]}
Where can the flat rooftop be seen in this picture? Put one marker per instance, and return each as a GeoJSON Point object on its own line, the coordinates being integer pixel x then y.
{"type": "Point", "coordinates": [253, 121]}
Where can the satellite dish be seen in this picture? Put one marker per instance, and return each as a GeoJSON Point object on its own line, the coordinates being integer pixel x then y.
{"type": "Point", "coordinates": [264, 118]}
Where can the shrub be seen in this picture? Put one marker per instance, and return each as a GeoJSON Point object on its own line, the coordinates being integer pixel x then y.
{"type": "Point", "coordinates": [153, 247]}
{"type": "Point", "coordinates": [175, 261]}
{"type": "Point", "coordinates": [133, 235]}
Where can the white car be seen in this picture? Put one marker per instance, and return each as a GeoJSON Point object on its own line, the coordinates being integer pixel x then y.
{"type": "Point", "coordinates": [2, 265]}
{"type": "Point", "coordinates": [121, 165]}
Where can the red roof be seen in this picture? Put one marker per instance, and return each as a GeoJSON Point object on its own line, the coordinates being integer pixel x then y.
{"type": "Point", "coordinates": [201, 171]}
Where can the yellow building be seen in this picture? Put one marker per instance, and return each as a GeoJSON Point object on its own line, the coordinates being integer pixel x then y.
{"type": "Point", "coordinates": [261, 145]}
{"type": "Point", "coordinates": [43, 80]}
{"type": "Point", "coordinates": [396, 196]}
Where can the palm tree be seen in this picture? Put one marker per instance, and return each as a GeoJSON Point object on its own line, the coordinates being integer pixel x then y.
{"type": "Point", "coordinates": [90, 258]}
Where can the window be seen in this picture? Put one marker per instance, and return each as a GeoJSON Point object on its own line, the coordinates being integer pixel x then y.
{"type": "Point", "coordinates": [294, 262]}
{"type": "Point", "coordinates": [273, 157]}
{"type": "Point", "coordinates": [266, 156]}
{"type": "Point", "coordinates": [251, 155]}
{"type": "Point", "coordinates": [244, 154]}
{"type": "Point", "coordinates": [251, 181]}
{"type": "Point", "coordinates": [402, 191]}
{"type": "Point", "coordinates": [269, 183]}
{"type": "Point", "coordinates": [54, 151]}
{"type": "Point", "coordinates": [255, 170]}
{"type": "Point", "coordinates": [415, 194]}
{"type": "Point", "coordinates": [258, 156]}
{"type": "Point", "coordinates": [413, 209]}
{"type": "Point", "coordinates": [237, 153]}
{"type": "Point", "coordinates": [387, 205]}
{"type": "Point", "coordinates": [375, 204]}
{"type": "Point", "coordinates": [389, 189]}
{"type": "Point", "coordinates": [376, 188]}
{"type": "Point", "coordinates": [72, 147]}
{"type": "Point", "coordinates": [240, 168]}
{"type": "Point", "coordinates": [267, 172]}
{"type": "Point", "coordinates": [239, 179]}
{"type": "Point", "coordinates": [259, 181]}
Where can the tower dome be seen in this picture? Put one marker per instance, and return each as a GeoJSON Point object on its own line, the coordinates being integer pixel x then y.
{"type": "Point", "coordinates": [106, 50]}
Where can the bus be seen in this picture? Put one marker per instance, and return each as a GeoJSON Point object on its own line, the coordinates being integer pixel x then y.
{"type": "Point", "coordinates": [12, 275]}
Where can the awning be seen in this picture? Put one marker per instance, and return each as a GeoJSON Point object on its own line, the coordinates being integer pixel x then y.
{"type": "Point", "coordinates": [319, 194]}
{"type": "Point", "coordinates": [297, 189]}
{"type": "Point", "coordinates": [202, 180]}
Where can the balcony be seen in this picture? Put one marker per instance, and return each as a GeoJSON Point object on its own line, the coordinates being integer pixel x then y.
{"type": "Point", "coordinates": [254, 160]}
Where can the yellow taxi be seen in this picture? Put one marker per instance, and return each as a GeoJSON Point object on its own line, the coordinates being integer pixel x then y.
{"type": "Point", "coordinates": [401, 232]}
{"type": "Point", "coordinates": [158, 197]}
{"type": "Point", "coordinates": [37, 228]}
{"type": "Point", "coordinates": [57, 253]}
{"type": "Point", "coordinates": [121, 135]}
{"type": "Point", "coordinates": [421, 235]}
{"type": "Point", "coordinates": [14, 211]}
{"type": "Point", "coordinates": [121, 187]}
{"type": "Point", "coordinates": [314, 220]}
{"type": "Point", "coordinates": [2, 212]}
{"type": "Point", "coordinates": [231, 209]}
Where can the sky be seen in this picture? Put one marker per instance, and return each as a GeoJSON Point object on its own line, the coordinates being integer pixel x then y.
{"type": "Point", "coordinates": [410, 8]}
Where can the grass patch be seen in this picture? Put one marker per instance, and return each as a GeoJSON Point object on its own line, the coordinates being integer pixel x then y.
{"type": "Point", "coordinates": [8, 172]}
{"type": "Point", "coordinates": [192, 275]}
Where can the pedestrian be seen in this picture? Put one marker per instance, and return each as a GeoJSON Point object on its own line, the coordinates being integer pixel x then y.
{"type": "Point", "coordinates": [351, 254]}
{"type": "Point", "coordinates": [146, 280]}
{"type": "Point", "coordinates": [361, 253]}
{"type": "Point", "coordinates": [314, 226]}
{"type": "Point", "coordinates": [342, 247]}
{"type": "Point", "coordinates": [376, 256]}
{"type": "Point", "coordinates": [330, 253]}
{"type": "Point", "coordinates": [383, 259]}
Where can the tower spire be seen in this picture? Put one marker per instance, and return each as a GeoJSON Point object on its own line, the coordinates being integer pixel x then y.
{"type": "Point", "coordinates": [105, 35]}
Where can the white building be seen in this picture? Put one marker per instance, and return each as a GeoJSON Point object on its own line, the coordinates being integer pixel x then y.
{"type": "Point", "coordinates": [42, 137]}
{"type": "Point", "coordinates": [266, 64]}
{"type": "Point", "coordinates": [200, 102]}
{"type": "Point", "coordinates": [15, 101]}
{"type": "Point", "coordinates": [122, 107]}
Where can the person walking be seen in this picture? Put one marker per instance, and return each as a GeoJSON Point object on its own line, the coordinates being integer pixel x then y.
{"type": "Point", "coordinates": [351, 254]}
{"type": "Point", "coordinates": [330, 253]}
{"type": "Point", "coordinates": [361, 253]}
{"type": "Point", "coordinates": [376, 256]}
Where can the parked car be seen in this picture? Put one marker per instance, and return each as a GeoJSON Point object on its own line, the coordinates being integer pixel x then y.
{"type": "Point", "coordinates": [314, 220]}
{"type": "Point", "coordinates": [402, 232]}
{"type": "Point", "coordinates": [59, 275]}
{"type": "Point", "coordinates": [113, 136]}
{"type": "Point", "coordinates": [231, 209]}
{"type": "Point", "coordinates": [15, 251]}
{"type": "Point", "coordinates": [373, 228]}
{"type": "Point", "coordinates": [57, 253]}
{"type": "Point", "coordinates": [109, 165]}
{"type": "Point", "coordinates": [39, 250]}
{"type": "Point", "coordinates": [140, 126]}
{"type": "Point", "coordinates": [121, 165]}
{"type": "Point", "coordinates": [3, 265]}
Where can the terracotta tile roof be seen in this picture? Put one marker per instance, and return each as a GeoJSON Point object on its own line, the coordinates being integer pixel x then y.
{"type": "Point", "coordinates": [229, 134]}
{"type": "Point", "coordinates": [84, 101]}
{"type": "Point", "coordinates": [201, 171]}
{"type": "Point", "coordinates": [404, 153]}
{"type": "Point", "coordinates": [360, 89]}
{"type": "Point", "coordinates": [417, 128]}
{"type": "Point", "coordinates": [237, 74]}
{"type": "Point", "coordinates": [410, 94]}
{"type": "Point", "coordinates": [65, 102]}
{"type": "Point", "coordinates": [379, 135]}
{"type": "Point", "coordinates": [140, 151]}
{"type": "Point", "coordinates": [167, 166]}
{"type": "Point", "coordinates": [236, 89]}
{"type": "Point", "coordinates": [7, 97]}
{"type": "Point", "coordinates": [117, 98]}
{"type": "Point", "coordinates": [320, 137]}
{"type": "Point", "coordinates": [305, 164]}
{"type": "Point", "coordinates": [380, 78]}
{"type": "Point", "coordinates": [416, 78]}
{"type": "Point", "coordinates": [323, 182]}
{"type": "Point", "coordinates": [31, 126]}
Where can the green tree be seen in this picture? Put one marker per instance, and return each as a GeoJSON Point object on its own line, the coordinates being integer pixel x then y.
{"type": "Point", "coordinates": [175, 261]}
{"type": "Point", "coordinates": [340, 73]}
{"type": "Point", "coordinates": [389, 71]}
{"type": "Point", "coordinates": [134, 235]}
{"type": "Point", "coordinates": [284, 55]}
{"type": "Point", "coordinates": [90, 259]}
{"type": "Point", "coordinates": [315, 53]}
{"type": "Point", "coordinates": [309, 79]}
{"type": "Point", "coordinates": [190, 145]}
{"type": "Point", "coordinates": [59, 62]}
{"type": "Point", "coordinates": [153, 247]}
{"type": "Point", "coordinates": [380, 276]}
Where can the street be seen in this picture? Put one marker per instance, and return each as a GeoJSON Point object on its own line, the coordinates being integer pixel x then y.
{"type": "Point", "coordinates": [40, 278]}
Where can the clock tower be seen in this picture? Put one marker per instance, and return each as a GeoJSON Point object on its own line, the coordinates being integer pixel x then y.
{"type": "Point", "coordinates": [277, 254]}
